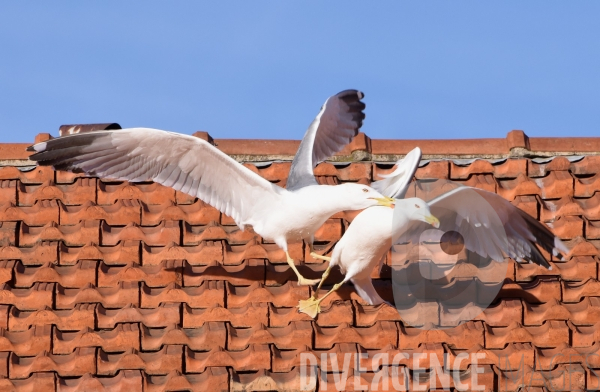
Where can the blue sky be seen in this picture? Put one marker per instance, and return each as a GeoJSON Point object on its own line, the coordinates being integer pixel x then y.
{"type": "Point", "coordinates": [262, 69]}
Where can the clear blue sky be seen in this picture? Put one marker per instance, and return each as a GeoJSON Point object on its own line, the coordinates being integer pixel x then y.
{"type": "Point", "coordinates": [258, 69]}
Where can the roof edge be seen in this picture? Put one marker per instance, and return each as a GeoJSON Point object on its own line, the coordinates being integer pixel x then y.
{"type": "Point", "coordinates": [363, 148]}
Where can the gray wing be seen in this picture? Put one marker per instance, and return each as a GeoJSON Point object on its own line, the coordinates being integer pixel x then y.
{"type": "Point", "coordinates": [182, 162]}
{"type": "Point", "coordinates": [490, 225]}
{"type": "Point", "coordinates": [396, 183]}
{"type": "Point", "coordinates": [337, 123]}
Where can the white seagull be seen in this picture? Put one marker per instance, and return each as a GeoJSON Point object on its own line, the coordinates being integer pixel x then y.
{"type": "Point", "coordinates": [372, 232]}
{"type": "Point", "coordinates": [195, 167]}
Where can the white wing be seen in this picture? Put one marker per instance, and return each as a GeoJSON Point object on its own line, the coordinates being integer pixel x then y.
{"type": "Point", "coordinates": [490, 226]}
{"type": "Point", "coordinates": [396, 183]}
{"type": "Point", "coordinates": [335, 126]}
{"type": "Point", "coordinates": [182, 162]}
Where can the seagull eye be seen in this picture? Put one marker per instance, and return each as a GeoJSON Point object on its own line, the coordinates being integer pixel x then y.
{"type": "Point", "coordinates": [417, 206]}
{"type": "Point", "coordinates": [365, 190]}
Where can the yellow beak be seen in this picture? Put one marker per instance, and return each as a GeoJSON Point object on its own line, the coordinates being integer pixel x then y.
{"type": "Point", "coordinates": [385, 201]}
{"type": "Point", "coordinates": [433, 221]}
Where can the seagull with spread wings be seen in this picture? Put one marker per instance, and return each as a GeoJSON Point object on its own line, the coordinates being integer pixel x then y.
{"type": "Point", "coordinates": [194, 166]}
{"type": "Point", "coordinates": [474, 211]}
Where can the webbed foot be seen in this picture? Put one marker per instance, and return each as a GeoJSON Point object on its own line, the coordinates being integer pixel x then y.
{"type": "Point", "coordinates": [309, 306]}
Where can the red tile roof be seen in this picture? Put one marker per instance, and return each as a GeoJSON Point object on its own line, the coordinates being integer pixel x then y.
{"type": "Point", "coordinates": [107, 285]}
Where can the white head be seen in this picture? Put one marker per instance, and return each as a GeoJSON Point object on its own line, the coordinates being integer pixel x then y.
{"type": "Point", "coordinates": [418, 210]}
{"type": "Point", "coordinates": [358, 197]}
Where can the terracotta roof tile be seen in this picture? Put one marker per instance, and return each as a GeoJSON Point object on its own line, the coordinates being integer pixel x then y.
{"type": "Point", "coordinates": [4, 311]}
{"type": "Point", "coordinates": [37, 215]}
{"type": "Point", "coordinates": [246, 273]}
{"type": "Point", "coordinates": [125, 380]}
{"type": "Point", "coordinates": [194, 235]}
{"type": "Point", "coordinates": [161, 235]}
{"type": "Point", "coordinates": [264, 380]}
{"type": "Point", "coordinates": [213, 379]}
{"type": "Point", "coordinates": [433, 169]}
{"type": "Point", "coordinates": [37, 175]}
{"type": "Point", "coordinates": [285, 295]}
{"type": "Point", "coordinates": [36, 382]}
{"type": "Point", "coordinates": [28, 342]}
{"type": "Point", "coordinates": [209, 336]}
{"type": "Point", "coordinates": [548, 358]}
{"type": "Point", "coordinates": [75, 235]}
{"type": "Point", "coordinates": [576, 291]}
{"type": "Point", "coordinates": [111, 297]}
{"type": "Point", "coordinates": [295, 334]}
{"type": "Point", "coordinates": [255, 357]}
{"type": "Point", "coordinates": [162, 316]}
{"type": "Point", "coordinates": [78, 318]}
{"type": "Point", "coordinates": [529, 204]}
{"type": "Point", "coordinates": [379, 335]}
{"type": "Point", "coordinates": [212, 292]}
{"type": "Point", "coordinates": [368, 315]}
{"type": "Point", "coordinates": [8, 191]}
{"type": "Point", "coordinates": [590, 207]}
{"type": "Point", "coordinates": [542, 289]}
{"type": "Point", "coordinates": [4, 364]}
{"type": "Point", "coordinates": [520, 186]}
{"type": "Point", "coordinates": [143, 287]}
{"type": "Point", "coordinates": [147, 193]}
{"type": "Point", "coordinates": [119, 338]}
{"type": "Point", "coordinates": [6, 270]}
{"type": "Point", "coordinates": [40, 253]}
{"type": "Point", "coordinates": [577, 268]}
{"type": "Point", "coordinates": [586, 186]}
{"type": "Point", "coordinates": [159, 275]}
{"type": "Point", "coordinates": [77, 363]}
{"type": "Point", "coordinates": [549, 334]}
{"type": "Point", "coordinates": [37, 297]}
{"type": "Point", "coordinates": [585, 166]}
{"type": "Point", "coordinates": [197, 213]}
{"type": "Point", "coordinates": [123, 253]}
{"type": "Point", "coordinates": [163, 361]}
{"type": "Point", "coordinates": [206, 253]}
{"type": "Point", "coordinates": [502, 313]}
{"type": "Point", "coordinates": [566, 206]}
{"type": "Point", "coordinates": [235, 254]}
{"type": "Point", "coordinates": [121, 213]}
{"type": "Point", "coordinates": [81, 191]}
{"type": "Point", "coordinates": [463, 336]}
{"type": "Point", "coordinates": [571, 376]}
{"type": "Point", "coordinates": [541, 169]}
{"type": "Point", "coordinates": [72, 276]}
{"type": "Point", "coordinates": [585, 335]}
{"type": "Point", "coordinates": [245, 316]}
{"type": "Point", "coordinates": [503, 358]}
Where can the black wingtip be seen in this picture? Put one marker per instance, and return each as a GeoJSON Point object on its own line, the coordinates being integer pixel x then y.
{"type": "Point", "coordinates": [30, 148]}
{"type": "Point", "coordinates": [351, 93]}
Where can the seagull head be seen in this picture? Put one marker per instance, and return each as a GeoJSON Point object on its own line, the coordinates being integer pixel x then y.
{"type": "Point", "coordinates": [418, 210]}
{"type": "Point", "coordinates": [363, 196]}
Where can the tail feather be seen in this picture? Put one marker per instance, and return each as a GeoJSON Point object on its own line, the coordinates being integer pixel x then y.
{"type": "Point", "coordinates": [364, 288]}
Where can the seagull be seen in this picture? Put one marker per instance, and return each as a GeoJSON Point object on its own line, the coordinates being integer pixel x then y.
{"type": "Point", "coordinates": [337, 123]}
{"type": "Point", "coordinates": [373, 231]}
{"type": "Point", "coordinates": [194, 166]}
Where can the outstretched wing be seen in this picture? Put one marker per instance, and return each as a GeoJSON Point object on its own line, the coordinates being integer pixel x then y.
{"type": "Point", "coordinates": [396, 183]}
{"type": "Point", "coordinates": [335, 126]}
{"type": "Point", "coordinates": [490, 226]}
{"type": "Point", "coordinates": [182, 162]}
